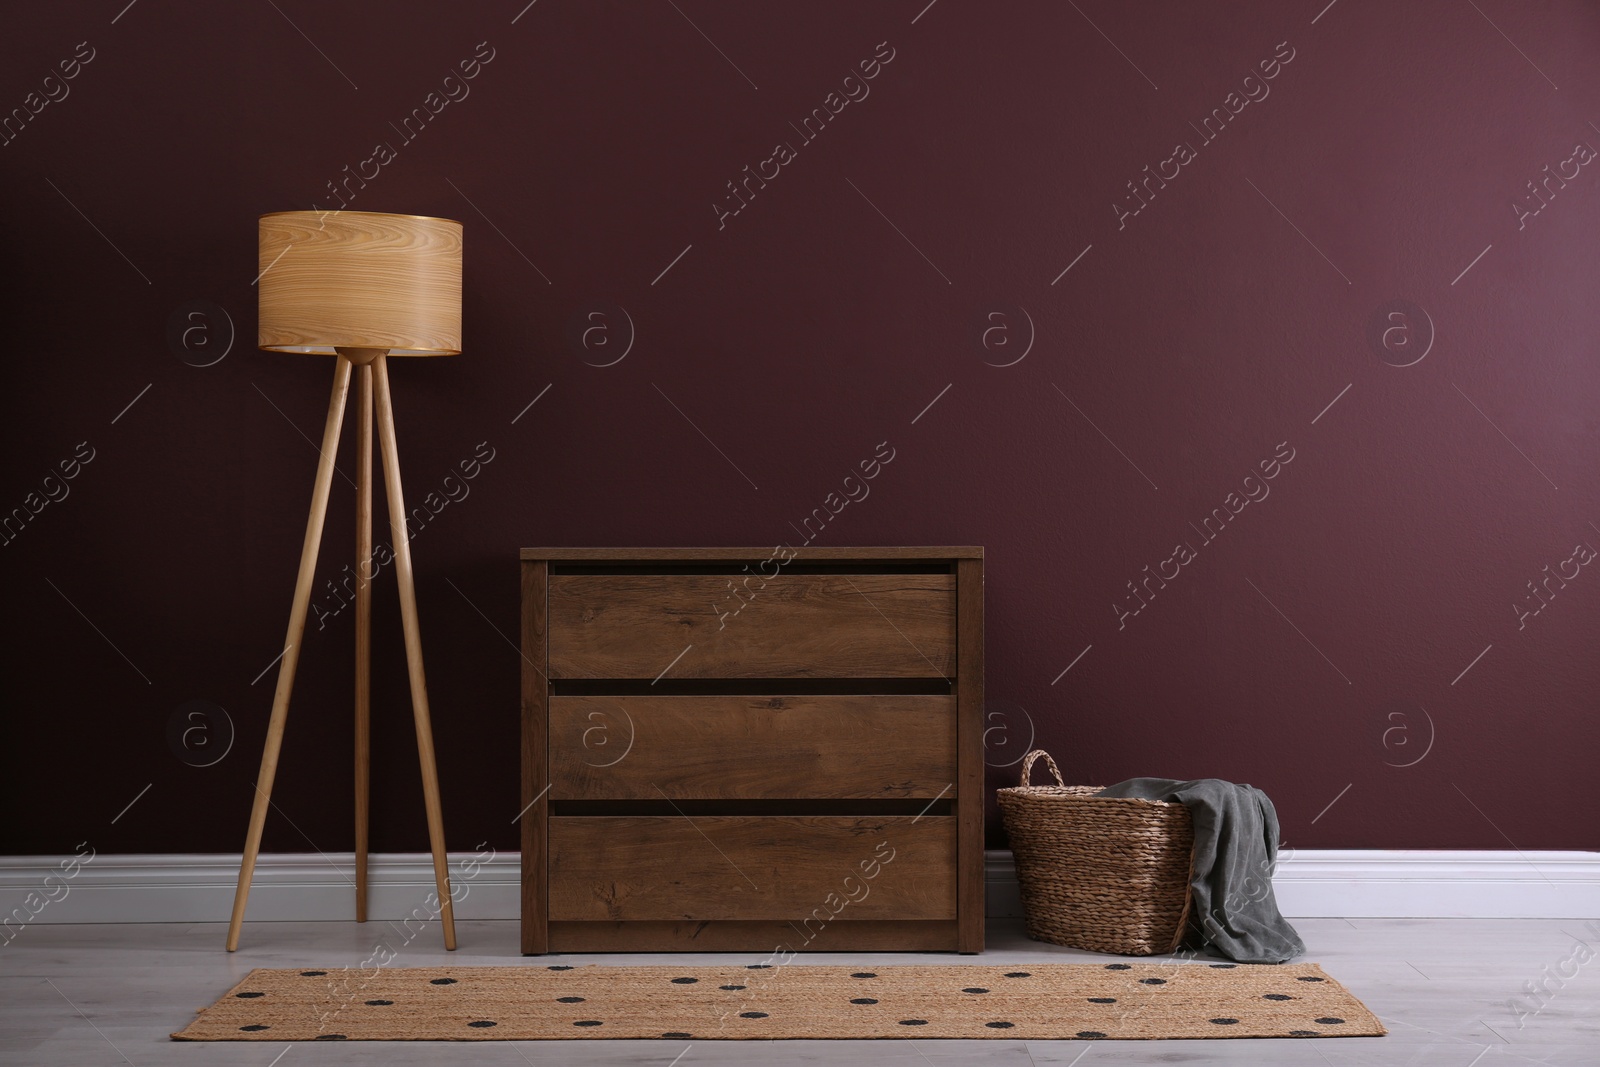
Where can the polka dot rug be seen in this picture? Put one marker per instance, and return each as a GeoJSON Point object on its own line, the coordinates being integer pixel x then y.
{"type": "Point", "coordinates": [1047, 1002]}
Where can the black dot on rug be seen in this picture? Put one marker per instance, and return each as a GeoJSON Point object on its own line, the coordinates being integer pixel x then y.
{"type": "Point", "coordinates": [253, 1027]}
{"type": "Point", "coordinates": [758, 967]}
{"type": "Point", "coordinates": [1102, 1000]}
{"type": "Point", "coordinates": [1090, 1033]}
{"type": "Point", "coordinates": [332, 1037]}
{"type": "Point", "coordinates": [752, 1015]}
{"type": "Point", "coordinates": [679, 1034]}
{"type": "Point", "coordinates": [685, 981]}
{"type": "Point", "coordinates": [1019, 974]}
{"type": "Point", "coordinates": [249, 996]}
{"type": "Point", "coordinates": [559, 967]}
{"type": "Point", "coordinates": [312, 974]}
{"type": "Point", "coordinates": [380, 1003]}
{"type": "Point", "coordinates": [1304, 1033]}
{"type": "Point", "coordinates": [441, 981]}
{"type": "Point", "coordinates": [913, 1022]}
{"type": "Point", "coordinates": [730, 987]}
{"type": "Point", "coordinates": [1002, 1025]}
{"type": "Point", "coordinates": [864, 974]}
{"type": "Point", "coordinates": [1276, 996]}
{"type": "Point", "coordinates": [1223, 966]}
{"type": "Point", "coordinates": [569, 1000]}
{"type": "Point", "coordinates": [975, 989]}
{"type": "Point", "coordinates": [483, 1024]}
{"type": "Point", "coordinates": [1152, 981]}
{"type": "Point", "coordinates": [863, 1000]}
{"type": "Point", "coordinates": [1328, 1020]}
{"type": "Point", "coordinates": [1118, 967]}
{"type": "Point", "coordinates": [1308, 978]}
{"type": "Point", "coordinates": [587, 1022]}
{"type": "Point", "coordinates": [1224, 1021]}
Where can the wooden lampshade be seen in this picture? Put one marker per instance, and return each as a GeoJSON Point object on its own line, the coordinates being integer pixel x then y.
{"type": "Point", "coordinates": [359, 280]}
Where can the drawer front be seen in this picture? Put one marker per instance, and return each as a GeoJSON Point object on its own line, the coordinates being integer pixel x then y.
{"type": "Point", "coordinates": [743, 747]}
{"type": "Point", "coordinates": [809, 934]}
{"type": "Point", "coordinates": [750, 867]}
{"type": "Point", "coordinates": [792, 626]}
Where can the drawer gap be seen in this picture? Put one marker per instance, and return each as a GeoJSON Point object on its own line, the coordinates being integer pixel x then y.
{"type": "Point", "coordinates": [756, 687]}
{"type": "Point", "coordinates": [914, 806]}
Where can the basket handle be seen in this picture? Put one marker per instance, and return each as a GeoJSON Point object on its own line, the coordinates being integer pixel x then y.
{"type": "Point", "coordinates": [1027, 766]}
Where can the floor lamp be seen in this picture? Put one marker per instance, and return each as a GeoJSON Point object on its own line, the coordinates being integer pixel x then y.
{"type": "Point", "coordinates": [360, 286]}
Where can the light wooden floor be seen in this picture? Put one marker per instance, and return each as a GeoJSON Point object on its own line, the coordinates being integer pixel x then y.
{"type": "Point", "coordinates": [91, 995]}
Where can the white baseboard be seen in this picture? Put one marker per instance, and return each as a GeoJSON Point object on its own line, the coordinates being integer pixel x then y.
{"type": "Point", "coordinates": [310, 886]}
{"type": "Point", "coordinates": [287, 886]}
{"type": "Point", "coordinates": [1409, 883]}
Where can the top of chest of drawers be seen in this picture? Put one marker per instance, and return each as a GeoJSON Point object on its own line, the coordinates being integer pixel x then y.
{"type": "Point", "coordinates": [870, 554]}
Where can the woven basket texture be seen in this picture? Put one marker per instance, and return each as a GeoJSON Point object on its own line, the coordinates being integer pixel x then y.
{"type": "Point", "coordinates": [1099, 873]}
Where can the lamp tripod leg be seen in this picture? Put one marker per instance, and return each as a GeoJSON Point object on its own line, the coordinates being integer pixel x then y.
{"type": "Point", "coordinates": [291, 652]}
{"type": "Point", "coordinates": [363, 597]}
{"type": "Point", "coordinates": [413, 633]}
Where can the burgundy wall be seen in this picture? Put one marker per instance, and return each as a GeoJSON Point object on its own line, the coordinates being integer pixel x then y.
{"type": "Point", "coordinates": [1317, 644]}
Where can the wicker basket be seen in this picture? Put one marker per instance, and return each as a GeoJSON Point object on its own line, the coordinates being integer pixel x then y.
{"type": "Point", "coordinates": [1099, 873]}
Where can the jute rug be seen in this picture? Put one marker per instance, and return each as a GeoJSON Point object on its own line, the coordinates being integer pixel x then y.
{"type": "Point", "coordinates": [1033, 1001]}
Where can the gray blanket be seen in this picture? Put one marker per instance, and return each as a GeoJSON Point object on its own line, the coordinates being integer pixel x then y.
{"type": "Point", "coordinates": [1233, 914]}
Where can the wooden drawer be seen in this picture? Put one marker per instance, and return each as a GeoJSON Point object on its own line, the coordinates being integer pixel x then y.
{"type": "Point", "coordinates": [709, 868]}
{"type": "Point", "coordinates": [795, 625]}
{"type": "Point", "coordinates": [751, 747]}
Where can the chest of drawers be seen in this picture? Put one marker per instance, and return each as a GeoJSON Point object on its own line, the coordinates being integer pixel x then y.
{"type": "Point", "coordinates": [750, 749]}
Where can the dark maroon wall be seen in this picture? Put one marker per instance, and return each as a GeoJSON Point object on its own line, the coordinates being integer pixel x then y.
{"type": "Point", "coordinates": [901, 258]}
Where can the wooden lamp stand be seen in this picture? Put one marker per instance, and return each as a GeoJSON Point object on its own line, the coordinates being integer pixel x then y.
{"type": "Point", "coordinates": [344, 276]}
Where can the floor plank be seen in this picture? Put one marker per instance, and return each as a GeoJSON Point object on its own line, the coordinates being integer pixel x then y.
{"type": "Point", "coordinates": [89, 995]}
